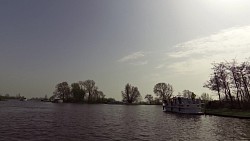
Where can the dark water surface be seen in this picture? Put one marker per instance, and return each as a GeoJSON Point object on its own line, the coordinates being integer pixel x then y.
{"type": "Point", "coordinates": [48, 121]}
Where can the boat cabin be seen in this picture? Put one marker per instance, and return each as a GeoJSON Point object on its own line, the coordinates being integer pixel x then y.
{"type": "Point", "coordinates": [183, 105]}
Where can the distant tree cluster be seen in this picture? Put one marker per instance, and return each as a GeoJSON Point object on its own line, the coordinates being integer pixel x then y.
{"type": "Point", "coordinates": [149, 98]}
{"type": "Point", "coordinates": [82, 91]}
{"type": "Point", "coordinates": [187, 93]}
{"type": "Point", "coordinates": [131, 94]}
{"type": "Point", "coordinates": [231, 81]}
{"type": "Point", "coordinates": [8, 96]}
{"type": "Point", "coordinates": [162, 91]}
{"type": "Point", "coordinates": [206, 97]}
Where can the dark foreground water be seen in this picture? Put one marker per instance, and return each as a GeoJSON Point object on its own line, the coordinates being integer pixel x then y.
{"type": "Point", "coordinates": [48, 121]}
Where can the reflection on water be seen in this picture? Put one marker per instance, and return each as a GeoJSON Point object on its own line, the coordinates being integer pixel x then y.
{"type": "Point", "coordinates": [48, 121]}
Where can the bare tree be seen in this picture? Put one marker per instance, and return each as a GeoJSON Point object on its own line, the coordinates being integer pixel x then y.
{"type": "Point", "coordinates": [220, 80]}
{"type": "Point", "coordinates": [98, 96]}
{"type": "Point", "coordinates": [233, 79]}
{"type": "Point", "coordinates": [101, 96]}
{"type": "Point", "coordinates": [90, 88]}
{"type": "Point", "coordinates": [221, 70]}
{"type": "Point", "coordinates": [187, 94]}
{"type": "Point", "coordinates": [214, 84]}
{"type": "Point", "coordinates": [131, 94]}
{"type": "Point", "coordinates": [206, 97]}
{"type": "Point", "coordinates": [62, 91]}
{"type": "Point", "coordinates": [244, 72]}
{"type": "Point", "coordinates": [149, 98]}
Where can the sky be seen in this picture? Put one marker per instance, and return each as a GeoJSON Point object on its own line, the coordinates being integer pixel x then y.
{"type": "Point", "coordinates": [141, 42]}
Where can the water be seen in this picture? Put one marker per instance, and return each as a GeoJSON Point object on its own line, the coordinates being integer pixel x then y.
{"type": "Point", "coordinates": [49, 121]}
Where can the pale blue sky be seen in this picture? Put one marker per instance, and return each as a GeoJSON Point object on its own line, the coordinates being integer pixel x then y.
{"type": "Point", "coordinates": [115, 42]}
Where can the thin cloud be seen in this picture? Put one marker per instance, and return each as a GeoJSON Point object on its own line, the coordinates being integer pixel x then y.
{"type": "Point", "coordinates": [196, 56]}
{"type": "Point", "coordinates": [160, 66]}
{"type": "Point", "coordinates": [191, 66]}
{"type": "Point", "coordinates": [133, 56]}
{"type": "Point", "coordinates": [227, 42]}
{"type": "Point", "coordinates": [139, 63]}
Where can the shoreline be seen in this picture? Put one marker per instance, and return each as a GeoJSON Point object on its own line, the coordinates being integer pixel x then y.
{"type": "Point", "coordinates": [233, 113]}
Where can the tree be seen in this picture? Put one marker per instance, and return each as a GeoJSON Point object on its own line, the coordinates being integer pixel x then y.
{"type": "Point", "coordinates": [244, 70]}
{"type": "Point", "coordinates": [235, 78]}
{"type": "Point", "coordinates": [98, 96]}
{"type": "Point", "coordinates": [77, 92]}
{"type": "Point", "coordinates": [157, 101]}
{"type": "Point", "coordinates": [221, 69]}
{"type": "Point", "coordinates": [149, 98]}
{"type": "Point", "coordinates": [90, 88]}
{"type": "Point", "coordinates": [214, 84]}
{"type": "Point", "coordinates": [7, 95]}
{"type": "Point", "coordinates": [18, 96]}
{"type": "Point", "coordinates": [131, 94]}
{"type": "Point", "coordinates": [62, 91]}
{"type": "Point", "coordinates": [163, 90]}
{"type": "Point", "coordinates": [220, 80]}
{"type": "Point", "coordinates": [101, 96]}
{"type": "Point", "coordinates": [109, 100]}
{"type": "Point", "coordinates": [232, 79]}
{"type": "Point", "coordinates": [206, 97]}
{"type": "Point", "coordinates": [187, 94]}
{"type": "Point", "coordinates": [46, 97]}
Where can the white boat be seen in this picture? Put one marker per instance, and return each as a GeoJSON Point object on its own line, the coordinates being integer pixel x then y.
{"type": "Point", "coordinates": [183, 105]}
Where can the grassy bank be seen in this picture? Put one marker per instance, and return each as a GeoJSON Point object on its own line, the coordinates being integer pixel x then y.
{"type": "Point", "coordinates": [237, 113]}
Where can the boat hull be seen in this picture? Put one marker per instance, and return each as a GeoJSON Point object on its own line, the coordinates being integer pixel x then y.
{"type": "Point", "coordinates": [191, 110]}
{"type": "Point", "coordinates": [183, 105]}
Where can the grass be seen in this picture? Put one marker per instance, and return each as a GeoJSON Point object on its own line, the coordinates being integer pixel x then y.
{"type": "Point", "coordinates": [229, 112]}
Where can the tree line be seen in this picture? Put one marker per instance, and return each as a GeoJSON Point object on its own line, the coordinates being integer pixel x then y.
{"type": "Point", "coordinates": [162, 91]}
{"type": "Point", "coordinates": [87, 91]}
{"type": "Point", "coordinates": [131, 94]}
{"type": "Point", "coordinates": [82, 91]}
{"type": "Point", "coordinates": [8, 96]}
{"type": "Point", "coordinates": [231, 81]}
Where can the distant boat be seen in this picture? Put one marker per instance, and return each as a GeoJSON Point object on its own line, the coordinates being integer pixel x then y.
{"type": "Point", "coordinates": [45, 100]}
{"type": "Point", "coordinates": [183, 105]}
{"type": "Point", "coordinates": [23, 99]}
{"type": "Point", "coordinates": [57, 100]}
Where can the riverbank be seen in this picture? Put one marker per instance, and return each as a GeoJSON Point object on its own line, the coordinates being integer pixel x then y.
{"type": "Point", "coordinates": [235, 113]}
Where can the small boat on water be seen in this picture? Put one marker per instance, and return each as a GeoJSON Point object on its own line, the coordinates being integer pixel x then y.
{"type": "Point", "coordinates": [183, 105]}
{"type": "Point", "coordinates": [23, 99]}
{"type": "Point", "coordinates": [45, 100]}
{"type": "Point", "coordinates": [57, 100]}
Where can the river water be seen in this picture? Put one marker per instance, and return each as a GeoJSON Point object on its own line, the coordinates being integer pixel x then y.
{"type": "Point", "coordinates": [42, 121]}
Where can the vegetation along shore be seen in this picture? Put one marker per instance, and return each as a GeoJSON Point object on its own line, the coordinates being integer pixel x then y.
{"type": "Point", "coordinates": [229, 80]}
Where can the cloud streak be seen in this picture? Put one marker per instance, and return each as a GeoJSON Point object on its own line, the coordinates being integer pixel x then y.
{"type": "Point", "coordinates": [197, 55]}
{"type": "Point", "coordinates": [233, 41]}
{"type": "Point", "coordinates": [139, 63]}
{"type": "Point", "coordinates": [132, 57]}
{"type": "Point", "coordinates": [160, 66]}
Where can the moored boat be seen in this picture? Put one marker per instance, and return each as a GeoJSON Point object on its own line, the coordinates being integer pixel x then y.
{"type": "Point", "coordinates": [23, 99]}
{"type": "Point", "coordinates": [57, 100]}
{"type": "Point", "coordinates": [183, 105]}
